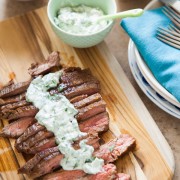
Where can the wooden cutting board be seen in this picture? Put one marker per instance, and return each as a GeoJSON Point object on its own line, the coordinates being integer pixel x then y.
{"type": "Point", "coordinates": [29, 38]}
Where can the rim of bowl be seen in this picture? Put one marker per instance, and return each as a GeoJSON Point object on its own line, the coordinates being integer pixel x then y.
{"type": "Point", "coordinates": [73, 34]}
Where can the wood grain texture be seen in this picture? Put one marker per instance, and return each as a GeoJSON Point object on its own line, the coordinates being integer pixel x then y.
{"type": "Point", "coordinates": [29, 38]}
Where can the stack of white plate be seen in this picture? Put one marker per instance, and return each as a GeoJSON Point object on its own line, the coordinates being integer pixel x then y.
{"type": "Point", "coordinates": [147, 82]}
{"type": "Point", "coordinates": [149, 85]}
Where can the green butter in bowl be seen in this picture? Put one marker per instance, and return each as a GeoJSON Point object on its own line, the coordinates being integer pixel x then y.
{"type": "Point", "coordinates": [82, 39]}
{"type": "Point", "coordinates": [85, 23]}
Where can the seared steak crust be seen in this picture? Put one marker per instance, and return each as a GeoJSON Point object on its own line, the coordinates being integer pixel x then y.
{"type": "Point", "coordinates": [12, 99]}
{"type": "Point", "coordinates": [25, 111]}
{"type": "Point", "coordinates": [87, 101]}
{"type": "Point", "coordinates": [91, 110]}
{"type": "Point", "coordinates": [115, 148]}
{"type": "Point", "coordinates": [108, 173]}
{"type": "Point", "coordinates": [52, 61]}
{"type": "Point", "coordinates": [88, 88]}
{"type": "Point", "coordinates": [17, 128]}
{"type": "Point", "coordinates": [14, 89]}
{"type": "Point", "coordinates": [15, 105]}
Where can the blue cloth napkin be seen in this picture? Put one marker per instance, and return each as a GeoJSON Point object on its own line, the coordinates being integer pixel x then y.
{"type": "Point", "coordinates": [163, 60]}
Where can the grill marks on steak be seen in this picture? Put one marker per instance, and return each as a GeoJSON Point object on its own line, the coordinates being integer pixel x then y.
{"type": "Point", "coordinates": [48, 164]}
{"type": "Point", "coordinates": [98, 123]}
{"type": "Point", "coordinates": [109, 152]}
{"type": "Point", "coordinates": [95, 125]}
{"type": "Point", "coordinates": [87, 101]}
{"type": "Point", "coordinates": [31, 141]}
{"type": "Point", "coordinates": [109, 172]}
{"type": "Point", "coordinates": [17, 128]}
{"type": "Point", "coordinates": [25, 111]}
{"type": "Point", "coordinates": [14, 89]}
{"type": "Point", "coordinates": [15, 105]}
{"type": "Point", "coordinates": [27, 168]}
{"type": "Point", "coordinates": [29, 132]}
{"type": "Point", "coordinates": [88, 88]}
{"type": "Point", "coordinates": [91, 110]}
{"type": "Point", "coordinates": [115, 148]}
{"type": "Point", "coordinates": [12, 99]}
{"type": "Point", "coordinates": [52, 61]}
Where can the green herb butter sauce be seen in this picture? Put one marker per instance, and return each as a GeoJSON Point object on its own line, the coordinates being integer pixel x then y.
{"type": "Point", "coordinates": [80, 19]}
{"type": "Point", "coordinates": [57, 114]}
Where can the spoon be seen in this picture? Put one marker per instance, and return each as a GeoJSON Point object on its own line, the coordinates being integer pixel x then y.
{"type": "Point", "coordinates": [124, 14]}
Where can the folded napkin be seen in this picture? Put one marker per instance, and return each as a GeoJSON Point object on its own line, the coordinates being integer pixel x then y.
{"type": "Point", "coordinates": [163, 60]}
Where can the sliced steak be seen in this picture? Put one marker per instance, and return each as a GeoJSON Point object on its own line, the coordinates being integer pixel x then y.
{"type": "Point", "coordinates": [122, 176]}
{"type": "Point", "coordinates": [29, 132]}
{"type": "Point", "coordinates": [31, 141]}
{"type": "Point", "coordinates": [14, 89]}
{"type": "Point", "coordinates": [76, 78]}
{"type": "Point", "coordinates": [77, 73]}
{"type": "Point", "coordinates": [65, 175]}
{"type": "Point", "coordinates": [52, 61]}
{"type": "Point", "coordinates": [109, 151]}
{"type": "Point", "coordinates": [27, 168]}
{"type": "Point", "coordinates": [98, 123]}
{"type": "Point", "coordinates": [91, 110]}
{"type": "Point", "coordinates": [17, 128]}
{"type": "Point", "coordinates": [87, 101]}
{"type": "Point", "coordinates": [15, 105]}
{"type": "Point", "coordinates": [115, 148]}
{"type": "Point", "coordinates": [88, 88]}
{"type": "Point", "coordinates": [42, 145]}
{"type": "Point", "coordinates": [47, 165]}
{"type": "Point", "coordinates": [25, 111]}
{"type": "Point", "coordinates": [108, 173]}
{"type": "Point", "coordinates": [78, 98]}
{"type": "Point", "coordinates": [12, 99]}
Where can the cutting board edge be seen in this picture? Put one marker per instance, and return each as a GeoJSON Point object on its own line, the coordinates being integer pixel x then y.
{"type": "Point", "coordinates": [163, 142]}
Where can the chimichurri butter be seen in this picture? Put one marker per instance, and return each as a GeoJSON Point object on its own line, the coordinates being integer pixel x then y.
{"type": "Point", "coordinates": [56, 113]}
{"type": "Point", "coordinates": [80, 19]}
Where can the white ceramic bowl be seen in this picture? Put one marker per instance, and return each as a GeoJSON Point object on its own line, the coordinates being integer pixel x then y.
{"type": "Point", "coordinates": [148, 74]}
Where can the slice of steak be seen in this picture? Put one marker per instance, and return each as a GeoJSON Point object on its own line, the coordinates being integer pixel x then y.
{"type": "Point", "coordinates": [47, 165]}
{"type": "Point", "coordinates": [110, 151]}
{"type": "Point", "coordinates": [91, 110]}
{"type": "Point", "coordinates": [30, 131]}
{"type": "Point", "coordinates": [52, 61]}
{"type": "Point", "coordinates": [25, 111]}
{"type": "Point", "coordinates": [12, 99]}
{"type": "Point", "coordinates": [115, 148]}
{"type": "Point", "coordinates": [27, 168]}
{"type": "Point", "coordinates": [14, 89]}
{"type": "Point", "coordinates": [78, 98]}
{"type": "Point", "coordinates": [108, 173]}
{"type": "Point", "coordinates": [122, 176]}
{"type": "Point", "coordinates": [31, 141]}
{"type": "Point", "coordinates": [88, 88]}
{"type": "Point", "coordinates": [76, 78]}
{"type": "Point", "coordinates": [87, 101]}
{"type": "Point", "coordinates": [15, 105]}
{"type": "Point", "coordinates": [72, 73]}
{"type": "Point", "coordinates": [65, 175]}
{"type": "Point", "coordinates": [17, 128]}
{"type": "Point", "coordinates": [42, 145]}
{"type": "Point", "coordinates": [98, 123]}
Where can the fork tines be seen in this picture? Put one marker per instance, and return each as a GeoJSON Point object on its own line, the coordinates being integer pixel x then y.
{"type": "Point", "coordinates": [173, 15]}
{"type": "Point", "coordinates": [169, 37]}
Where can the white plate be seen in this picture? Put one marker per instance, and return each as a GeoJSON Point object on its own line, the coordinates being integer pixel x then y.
{"type": "Point", "coordinates": [147, 89]}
